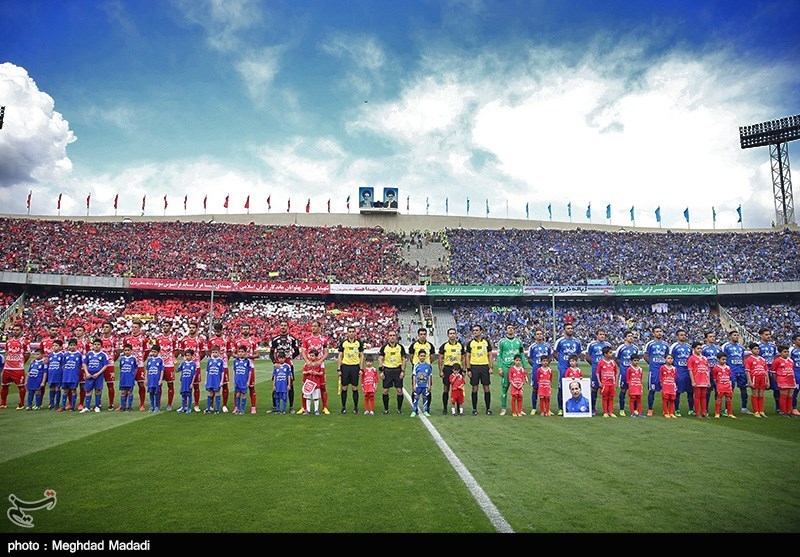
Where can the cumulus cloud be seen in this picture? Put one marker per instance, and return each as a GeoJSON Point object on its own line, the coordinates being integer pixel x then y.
{"type": "Point", "coordinates": [258, 69]}
{"type": "Point", "coordinates": [222, 20]}
{"type": "Point", "coordinates": [365, 58]}
{"type": "Point", "coordinates": [34, 138]}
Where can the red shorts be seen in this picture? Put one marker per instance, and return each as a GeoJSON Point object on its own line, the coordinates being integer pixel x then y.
{"type": "Point", "coordinates": [759, 382]}
{"type": "Point", "coordinates": [785, 383]}
{"type": "Point", "coordinates": [515, 391]}
{"type": "Point", "coordinates": [169, 374]}
{"type": "Point", "coordinates": [225, 377]}
{"type": "Point", "coordinates": [632, 394]}
{"type": "Point", "coordinates": [81, 376]}
{"type": "Point", "coordinates": [139, 374]}
{"type": "Point", "coordinates": [457, 397]}
{"type": "Point", "coordinates": [667, 396]}
{"type": "Point", "coordinates": [13, 377]}
{"type": "Point", "coordinates": [252, 382]}
{"type": "Point", "coordinates": [726, 391]}
{"type": "Point", "coordinates": [608, 390]}
{"type": "Point", "coordinates": [197, 378]}
{"type": "Point", "coordinates": [108, 374]}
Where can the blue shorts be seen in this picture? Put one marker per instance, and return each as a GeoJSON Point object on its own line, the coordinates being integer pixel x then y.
{"type": "Point", "coordinates": [594, 381]}
{"type": "Point", "coordinates": [183, 393]}
{"type": "Point", "coordinates": [54, 380]}
{"type": "Point", "coordinates": [240, 390]}
{"type": "Point", "coordinates": [95, 384]}
{"type": "Point", "coordinates": [125, 386]}
{"type": "Point", "coordinates": [739, 379]}
{"type": "Point", "coordinates": [153, 390]}
{"type": "Point", "coordinates": [797, 379]}
{"type": "Point", "coordinates": [623, 384]}
{"type": "Point", "coordinates": [421, 391]}
{"type": "Point", "coordinates": [655, 381]}
{"type": "Point", "coordinates": [69, 385]}
{"type": "Point", "coordinates": [279, 395]}
{"type": "Point", "coordinates": [684, 383]}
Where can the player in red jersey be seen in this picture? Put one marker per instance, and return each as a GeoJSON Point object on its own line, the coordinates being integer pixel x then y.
{"type": "Point", "coordinates": [700, 376]}
{"type": "Point", "coordinates": [318, 342]}
{"type": "Point", "coordinates": [544, 378]}
{"type": "Point", "coordinates": [755, 368]}
{"type": "Point", "coordinates": [783, 367]}
{"type": "Point", "coordinates": [46, 344]}
{"type": "Point", "coordinates": [573, 371]}
{"type": "Point", "coordinates": [197, 343]}
{"type": "Point", "coordinates": [84, 345]}
{"type": "Point", "coordinates": [168, 344]}
{"type": "Point", "coordinates": [314, 372]}
{"type": "Point", "coordinates": [109, 347]}
{"type": "Point", "coordinates": [457, 385]}
{"type": "Point", "coordinates": [369, 383]}
{"type": "Point", "coordinates": [607, 375]}
{"type": "Point", "coordinates": [633, 377]}
{"type": "Point", "coordinates": [17, 352]}
{"type": "Point", "coordinates": [723, 384]}
{"type": "Point", "coordinates": [250, 344]}
{"type": "Point", "coordinates": [668, 375]}
{"type": "Point", "coordinates": [225, 346]}
{"type": "Point", "coordinates": [139, 346]}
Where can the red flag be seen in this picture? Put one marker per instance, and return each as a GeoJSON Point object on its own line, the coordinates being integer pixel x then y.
{"type": "Point", "coordinates": [29, 198]}
{"type": "Point", "coordinates": [329, 205]}
{"type": "Point", "coordinates": [226, 201]}
{"type": "Point", "coordinates": [88, 200]}
{"type": "Point", "coordinates": [116, 199]}
{"type": "Point", "coordinates": [289, 205]}
{"type": "Point", "coordinates": [269, 202]}
{"type": "Point", "coordinates": [205, 200]}
{"type": "Point", "coordinates": [348, 202]}
{"type": "Point", "coordinates": [165, 202]}
{"type": "Point", "coordinates": [185, 199]}
{"type": "Point", "coordinates": [59, 202]}
{"type": "Point", "coordinates": [308, 206]}
{"type": "Point", "coordinates": [247, 203]}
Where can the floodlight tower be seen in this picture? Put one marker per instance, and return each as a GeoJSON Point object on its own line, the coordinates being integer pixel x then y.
{"type": "Point", "coordinates": [776, 134]}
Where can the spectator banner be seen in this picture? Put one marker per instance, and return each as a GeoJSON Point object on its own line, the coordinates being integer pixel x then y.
{"type": "Point", "coordinates": [666, 290]}
{"type": "Point", "coordinates": [562, 291]}
{"type": "Point", "coordinates": [473, 290]}
{"type": "Point", "coordinates": [379, 289]}
{"type": "Point", "coordinates": [205, 285]}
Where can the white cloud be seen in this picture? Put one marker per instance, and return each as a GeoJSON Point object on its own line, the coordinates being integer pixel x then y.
{"type": "Point", "coordinates": [258, 69]}
{"type": "Point", "coordinates": [365, 57]}
{"type": "Point", "coordinates": [34, 138]}
{"type": "Point", "coordinates": [121, 116]}
{"type": "Point", "coordinates": [222, 20]}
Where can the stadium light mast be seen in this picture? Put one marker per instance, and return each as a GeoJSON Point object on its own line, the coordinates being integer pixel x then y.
{"type": "Point", "coordinates": [776, 134]}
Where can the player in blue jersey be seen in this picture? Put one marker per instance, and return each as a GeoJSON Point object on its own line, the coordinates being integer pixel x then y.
{"type": "Point", "coordinates": [421, 379]}
{"type": "Point", "coordinates": [282, 377]}
{"type": "Point", "coordinates": [94, 367]}
{"type": "Point", "coordinates": [154, 374]}
{"type": "Point", "coordinates": [55, 366]}
{"type": "Point", "coordinates": [735, 350]}
{"type": "Point", "coordinates": [681, 350]}
{"type": "Point", "coordinates": [36, 380]}
{"type": "Point", "coordinates": [215, 367]}
{"type": "Point", "coordinates": [242, 373]}
{"type": "Point", "coordinates": [128, 366]}
{"type": "Point", "coordinates": [563, 348]}
{"type": "Point", "coordinates": [538, 349]}
{"type": "Point", "coordinates": [594, 353]}
{"type": "Point", "coordinates": [70, 375]}
{"type": "Point", "coordinates": [794, 354]}
{"type": "Point", "coordinates": [655, 354]}
{"type": "Point", "coordinates": [186, 373]}
{"type": "Point", "coordinates": [769, 350]}
{"type": "Point", "coordinates": [623, 355]}
{"type": "Point", "coordinates": [710, 352]}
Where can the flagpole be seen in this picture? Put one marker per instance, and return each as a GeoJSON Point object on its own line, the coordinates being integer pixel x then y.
{"type": "Point", "coordinates": [506, 208]}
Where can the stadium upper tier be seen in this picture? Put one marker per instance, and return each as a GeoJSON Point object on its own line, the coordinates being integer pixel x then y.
{"type": "Point", "coordinates": [370, 255]}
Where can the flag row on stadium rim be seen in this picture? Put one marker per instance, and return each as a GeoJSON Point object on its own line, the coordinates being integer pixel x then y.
{"type": "Point", "coordinates": [226, 205]}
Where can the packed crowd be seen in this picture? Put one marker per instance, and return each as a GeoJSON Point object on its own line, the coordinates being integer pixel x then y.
{"type": "Point", "coordinates": [546, 257]}
{"type": "Point", "coordinates": [614, 318]}
{"type": "Point", "coordinates": [203, 250]}
{"type": "Point", "coordinates": [783, 319]}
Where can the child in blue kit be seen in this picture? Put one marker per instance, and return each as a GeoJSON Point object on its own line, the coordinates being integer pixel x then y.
{"type": "Point", "coordinates": [128, 365]}
{"type": "Point", "coordinates": [282, 377]}
{"type": "Point", "coordinates": [55, 365]}
{"type": "Point", "coordinates": [422, 383]}
{"type": "Point", "coordinates": [36, 380]}
{"type": "Point", "coordinates": [214, 368]}
{"type": "Point", "coordinates": [154, 370]}
{"type": "Point", "coordinates": [242, 373]}
{"type": "Point", "coordinates": [186, 372]}
{"type": "Point", "coordinates": [73, 363]}
{"type": "Point", "coordinates": [94, 367]}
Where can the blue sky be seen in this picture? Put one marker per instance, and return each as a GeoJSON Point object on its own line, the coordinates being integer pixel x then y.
{"type": "Point", "coordinates": [628, 103]}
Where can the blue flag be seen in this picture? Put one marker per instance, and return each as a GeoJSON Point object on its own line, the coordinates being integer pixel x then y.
{"type": "Point", "coordinates": [569, 209]}
{"type": "Point", "coordinates": [713, 214]}
{"type": "Point", "coordinates": [487, 206]}
{"type": "Point", "coordinates": [550, 210]}
{"type": "Point", "coordinates": [468, 205]}
{"type": "Point", "coordinates": [527, 213]}
{"type": "Point", "coordinates": [632, 217]}
{"type": "Point", "coordinates": [446, 206]}
{"type": "Point", "coordinates": [608, 211]}
{"type": "Point", "coordinates": [589, 211]}
{"type": "Point", "coordinates": [739, 212]}
{"type": "Point", "coordinates": [686, 214]}
{"type": "Point", "coordinates": [658, 214]}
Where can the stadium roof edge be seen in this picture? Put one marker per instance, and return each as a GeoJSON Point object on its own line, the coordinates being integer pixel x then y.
{"type": "Point", "coordinates": [394, 222]}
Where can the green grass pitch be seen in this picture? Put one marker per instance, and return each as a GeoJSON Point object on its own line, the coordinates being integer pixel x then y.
{"type": "Point", "coordinates": [140, 472]}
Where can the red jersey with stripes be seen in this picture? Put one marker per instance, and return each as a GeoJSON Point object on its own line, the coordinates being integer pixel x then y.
{"type": "Point", "coordinates": [196, 343]}
{"type": "Point", "coordinates": [250, 343]}
{"type": "Point", "coordinates": [607, 372]}
{"type": "Point", "coordinates": [17, 350]}
{"type": "Point", "coordinates": [224, 344]}
{"type": "Point", "coordinates": [138, 345]}
{"type": "Point", "coordinates": [168, 344]}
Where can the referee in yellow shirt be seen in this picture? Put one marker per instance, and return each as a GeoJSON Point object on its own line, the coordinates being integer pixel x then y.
{"type": "Point", "coordinates": [351, 362]}
{"type": "Point", "coordinates": [480, 362]}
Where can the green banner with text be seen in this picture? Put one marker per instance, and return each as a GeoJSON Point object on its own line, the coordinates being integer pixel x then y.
{"type": "Point", "coordinates": [472, 290]}
{"type": "Point", "coordinates": [665, 290]}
